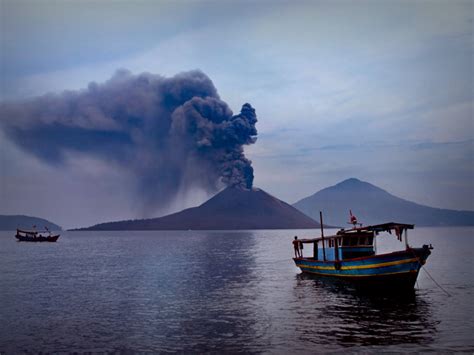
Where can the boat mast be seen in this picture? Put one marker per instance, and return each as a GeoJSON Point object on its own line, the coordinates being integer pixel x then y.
{"type": "Point", "coordinates": [322, 234]}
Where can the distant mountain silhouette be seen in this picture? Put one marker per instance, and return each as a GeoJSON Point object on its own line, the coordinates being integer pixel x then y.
{"type": "Point", "coordinates": [10, 223]}
{"type": "Point", "coordinates": [232, 208]}
{"type": "Point", "coordinates": [372, 205]}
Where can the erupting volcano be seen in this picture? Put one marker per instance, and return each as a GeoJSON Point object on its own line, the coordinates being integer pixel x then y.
{"type": "Point", "coordinates": [233, 208]}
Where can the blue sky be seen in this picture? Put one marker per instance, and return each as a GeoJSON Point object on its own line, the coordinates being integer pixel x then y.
{"type": "Point", "coordinates": [381, 91]}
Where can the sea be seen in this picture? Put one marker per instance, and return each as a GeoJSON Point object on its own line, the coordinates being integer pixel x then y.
{"type": "Point", "coordinates": [223, 291]}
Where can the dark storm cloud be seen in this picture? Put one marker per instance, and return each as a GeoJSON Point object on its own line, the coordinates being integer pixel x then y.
{"type": "Point", "coordinates": [171, 133]}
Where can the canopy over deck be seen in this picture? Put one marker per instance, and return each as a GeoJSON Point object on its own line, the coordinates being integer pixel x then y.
{"type": "Point", "coordinates": [384, 227]}
{"type": "Point", "coordinates": [32, 231]}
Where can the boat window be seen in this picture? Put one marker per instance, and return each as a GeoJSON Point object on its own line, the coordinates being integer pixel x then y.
{"type": "Point", "coordinates": [362, 241]}
{"type": "Point", "coordinates": [345, 241]}
{"type": "Point", "coordinates": [370, 240]}
{"type": "Point", "coordinates": [353, 241]}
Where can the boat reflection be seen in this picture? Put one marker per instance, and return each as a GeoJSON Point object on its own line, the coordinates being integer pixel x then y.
{"type": "Point", "coordinates": [355, 317]}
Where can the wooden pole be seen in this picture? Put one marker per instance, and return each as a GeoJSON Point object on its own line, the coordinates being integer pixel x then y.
{"type": "Point", "coordinates": [322, 234]}
{"type": "Point", "coordinates": [406, 238]}
{"type": "Point", "coordinates": [375, 243]}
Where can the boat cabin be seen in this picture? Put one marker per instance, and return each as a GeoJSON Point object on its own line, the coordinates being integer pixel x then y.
{"type": "Point", "coordinates": [352, 243]}
{"type": "Point", "coordinates": [32, 233]}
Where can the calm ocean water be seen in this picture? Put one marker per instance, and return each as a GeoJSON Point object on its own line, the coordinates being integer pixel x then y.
{"type": "Point", "coordinates": [221, 291]}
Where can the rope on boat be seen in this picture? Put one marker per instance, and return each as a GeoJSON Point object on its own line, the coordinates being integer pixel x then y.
{"type": "Point", "coordinates": [427, 273]}
{"type": "Point", "coordinates": [437, 284]}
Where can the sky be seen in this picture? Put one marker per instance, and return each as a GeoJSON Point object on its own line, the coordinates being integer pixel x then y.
{"type": "Point", "coordinates": [377, 90]}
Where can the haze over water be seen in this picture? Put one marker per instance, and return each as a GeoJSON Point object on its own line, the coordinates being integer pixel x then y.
{"type": "Point", "coordinates": [221, 291]}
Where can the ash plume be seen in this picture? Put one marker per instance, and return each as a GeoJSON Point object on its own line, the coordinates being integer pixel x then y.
{"type": "Point", "coordinates": [170, 133]}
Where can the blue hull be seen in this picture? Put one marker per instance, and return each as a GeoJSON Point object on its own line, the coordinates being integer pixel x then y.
{"type": "Point", "coordinates": [397, 269]}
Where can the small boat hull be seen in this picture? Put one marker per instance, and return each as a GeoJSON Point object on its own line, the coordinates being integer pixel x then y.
{"type": "Point", "coordinates": [392, 270]}
{"type": "Point", "coordinates": [22, 238]}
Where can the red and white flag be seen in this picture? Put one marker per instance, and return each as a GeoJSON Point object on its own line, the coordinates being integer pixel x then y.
{"type": "Point", "coordinates": [353, 218]}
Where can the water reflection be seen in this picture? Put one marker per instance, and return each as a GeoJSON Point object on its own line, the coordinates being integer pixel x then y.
{"type": "Point", "coordinates": [189, 291]}
{"type": "Point", "coordinates": [354, 317]}
{"type": "Point", "coordinates": [217, 312]}
{"type": "Point", "coordinates": [152, 292]}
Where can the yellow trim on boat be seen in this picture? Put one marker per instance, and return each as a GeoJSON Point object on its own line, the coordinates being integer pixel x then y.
{"type": "Point", "coordinates": [370, 275]}
{"type": "Point", "coordinates": [359, 267]}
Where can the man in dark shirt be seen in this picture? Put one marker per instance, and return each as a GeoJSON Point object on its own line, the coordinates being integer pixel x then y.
{"type": "Point", "coordinates": [296, 246]}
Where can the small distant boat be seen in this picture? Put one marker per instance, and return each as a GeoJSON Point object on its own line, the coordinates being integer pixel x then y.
{"type": "Point", "coordinates": [351, 255]}
{"type": "Point", "coordinates": [35, 236]}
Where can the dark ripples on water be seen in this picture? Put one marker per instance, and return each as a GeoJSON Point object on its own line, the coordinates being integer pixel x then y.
{"type": "Point", "coordinates": [219, 291]}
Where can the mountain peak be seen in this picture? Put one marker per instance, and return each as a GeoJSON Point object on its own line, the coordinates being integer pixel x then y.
{"type": "Point", "coordinates": [373, 205]}
{"type": "Point", "coordinates": [355, 184]}
{"type": "Point", "coordinates": [351, 180]}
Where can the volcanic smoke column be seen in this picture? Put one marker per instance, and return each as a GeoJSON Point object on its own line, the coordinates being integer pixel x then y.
{"type": "Point", "coordinates": [171, 134]}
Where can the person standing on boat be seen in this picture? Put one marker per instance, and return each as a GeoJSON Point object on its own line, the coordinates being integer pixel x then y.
{"type": "Point", "coordinates": [296, 246]}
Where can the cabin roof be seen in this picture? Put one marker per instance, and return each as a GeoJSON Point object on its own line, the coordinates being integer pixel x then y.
{"type": "Point", "coordinates": [384, 227]}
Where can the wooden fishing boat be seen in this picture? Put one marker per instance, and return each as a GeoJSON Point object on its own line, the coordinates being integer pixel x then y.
{"type": "Point", "coordinates": [35, 236]}
{"type": "Point", "coordinates": [351, 255]}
